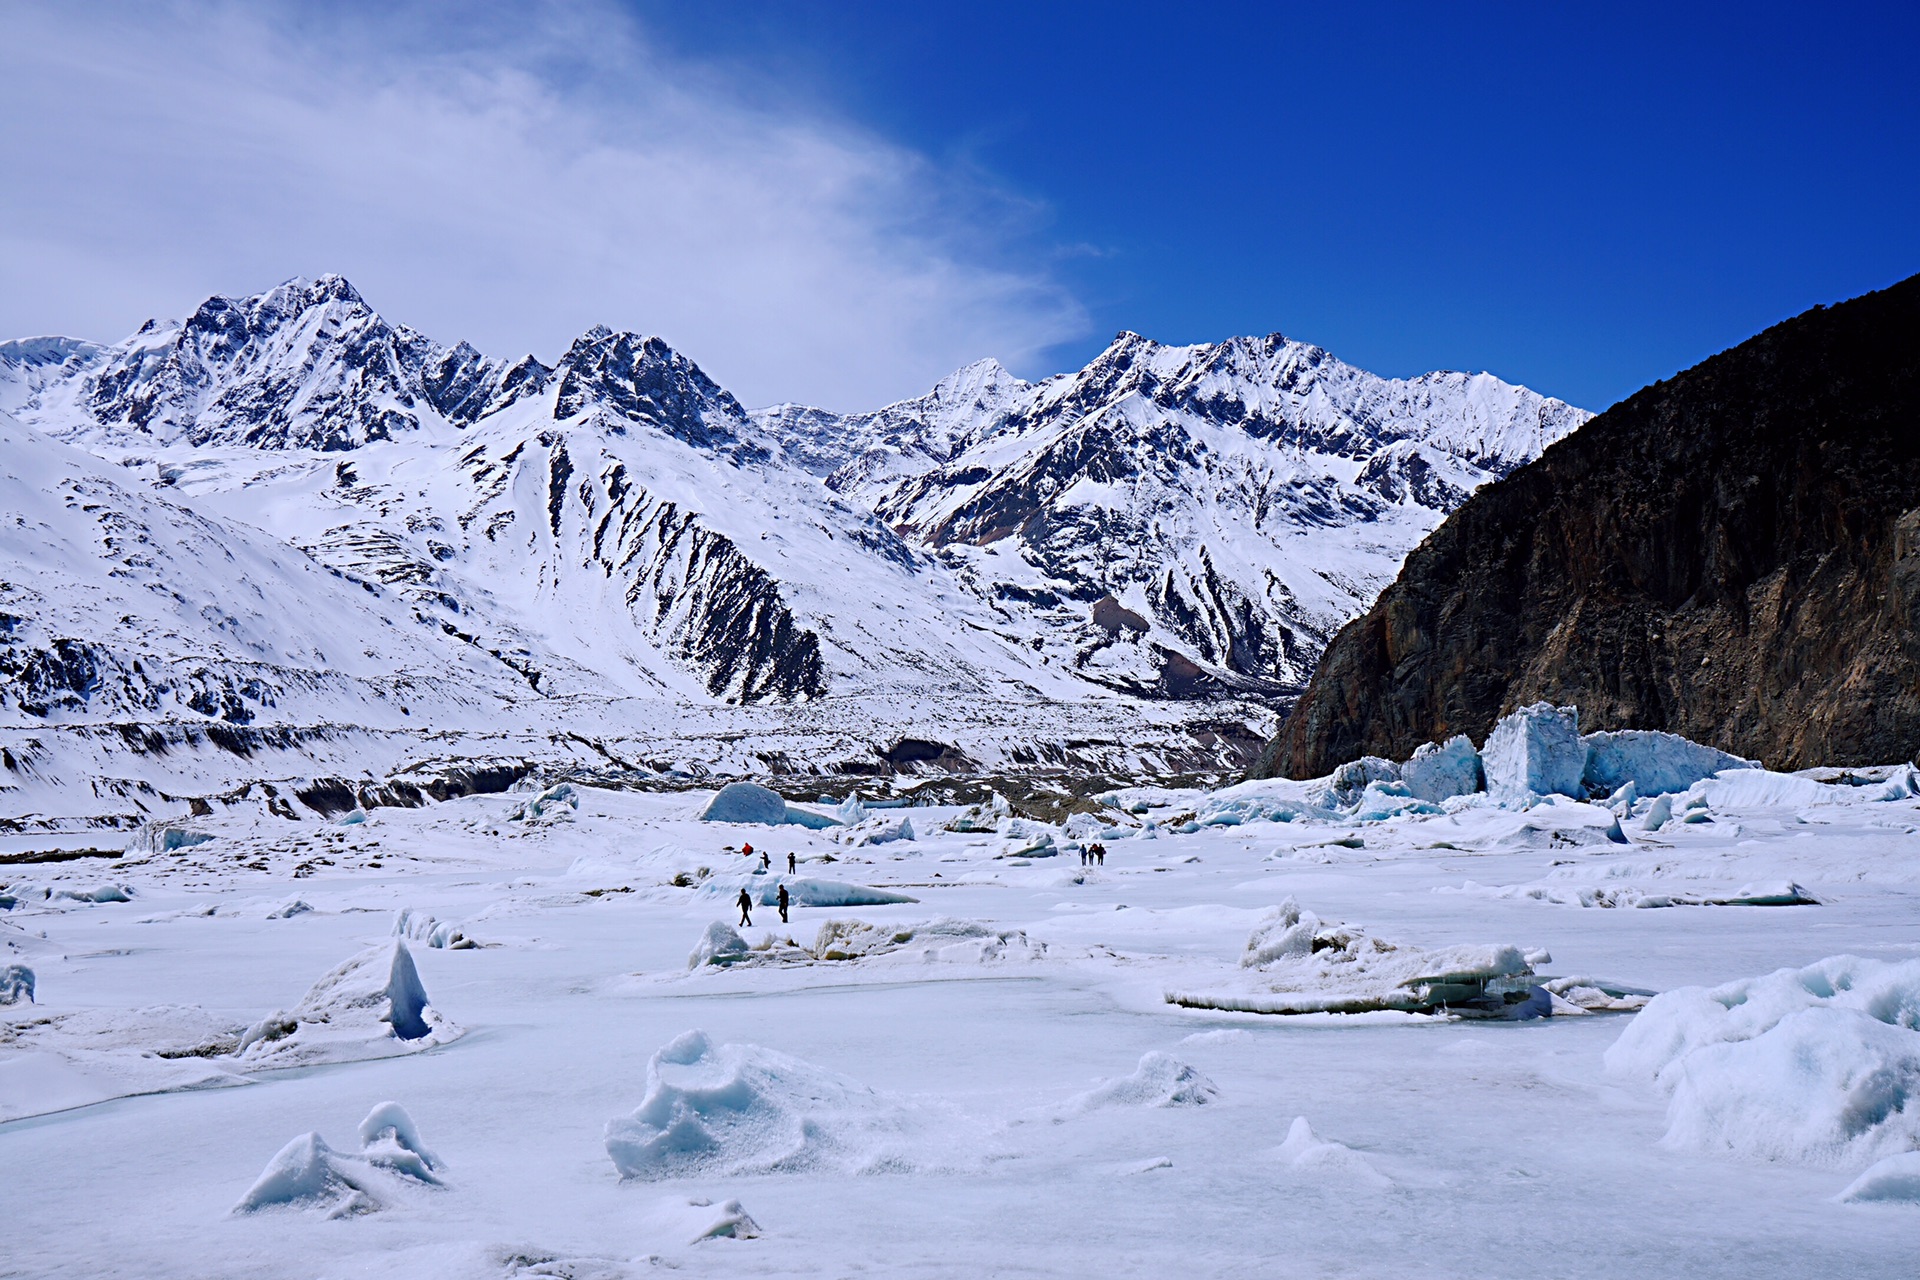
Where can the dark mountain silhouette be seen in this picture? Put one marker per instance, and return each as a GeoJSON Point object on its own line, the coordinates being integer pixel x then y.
{"type": "Point", "coordinates": [1732, 554]}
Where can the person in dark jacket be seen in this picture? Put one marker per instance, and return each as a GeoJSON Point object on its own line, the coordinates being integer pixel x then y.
{"type": "Point", "coordinates": [791, 865]}
{"type": "Point", "coordinates": [784, 900]}
{"type": "Point", "coordinates": [766, 860]}
{"type": "Point", "coordinates": [746, 910]}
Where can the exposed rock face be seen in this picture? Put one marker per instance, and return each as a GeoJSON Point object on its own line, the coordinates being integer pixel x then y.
{"type": "Point", "coordinates": [1732, 555]}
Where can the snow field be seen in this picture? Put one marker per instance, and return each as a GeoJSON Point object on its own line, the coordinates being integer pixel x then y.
{"type": "Point", "coordinates": [942, 1081]}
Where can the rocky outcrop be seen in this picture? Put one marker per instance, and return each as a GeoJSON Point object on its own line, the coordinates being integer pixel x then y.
{"type": "Point", "coordinates": [1732, 555]}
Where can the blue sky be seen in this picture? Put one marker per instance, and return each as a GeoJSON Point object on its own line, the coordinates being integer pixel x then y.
{"type": "Point", "coordinates": [1582, 197]}
{"type": "Point", "coordinates": [840, 202]}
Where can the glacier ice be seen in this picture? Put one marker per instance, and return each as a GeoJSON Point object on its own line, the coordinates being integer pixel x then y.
{"type": "Point", "coordinates": [1653, 762]}
{"type": "Point", "coordinates": [1537, 750]}
{"type": "Point", "coordinates": [1438, 771]}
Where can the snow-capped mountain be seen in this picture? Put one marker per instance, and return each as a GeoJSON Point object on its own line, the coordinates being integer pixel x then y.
{"type": "Point", "coordinates": [1181, 520]}
{"type": "Point", "coordinates": [118, 603]}
{"type": "Point", "coordinates": [1126, 559]}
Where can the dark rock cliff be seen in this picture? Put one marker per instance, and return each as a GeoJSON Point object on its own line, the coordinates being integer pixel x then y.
{"type": "Point", "coordinates": [1732, 554]}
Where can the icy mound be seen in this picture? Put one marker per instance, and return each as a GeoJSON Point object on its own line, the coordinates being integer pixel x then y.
{"type": "Point", "coordinates": [1537, 750]}
{"type": "Point", "coordinates": [802, 891]}
{"type": "Point", "coordinates": [372, 1006]}
{"type": "Point", "coordinates": [1308, 1154]}
{"type": "Point", "coordinates": [1748, 789]}
{"type": "Point", "coordinates": [1568, 892]}
{"type": "Point", "coordinates": [752, 803]}
{"type": "Point", "coordinates": [721, 944]}
{"type": "Point", "coordinates": [1159, 1081]}
{"type": "Point", "coordinates": [1895, 1179]}
{"type": "Point", "coordinates": [940, 940]}
{"type": "Point", "coordinates": [1438, 772]}
{"type": "Point", "coordinates": [16, 984]}
{"type": "Point", "coordinates": [1819, 1065]}
{"type": "Point", "coordinates": [692, 1221]}
{"type": "Point", "coordinates": [725, 1110]}
{"type": "Point", "coordinates": [746, 802]}
{"type": "Point", "coordinates": [1655, 763]}
{"type": "Point", "coordinates": [1294, 963]}
{"type": "Point", "coordinates": [308, 1174]}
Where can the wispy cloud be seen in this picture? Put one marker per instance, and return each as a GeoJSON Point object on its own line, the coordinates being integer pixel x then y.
{"type": "Point", "coordinates": [510, 182]}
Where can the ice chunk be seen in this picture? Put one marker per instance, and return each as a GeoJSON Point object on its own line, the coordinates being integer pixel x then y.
{"type": "Point", "coordinates": [1342, 788]}
{"type": "Point", "coordinates": [728, 1109]}
{"type": "Point", "coordinates": [1159, 1081]}
{"type": "Point", "coordinates": [886, 832]}
{"type": "Point", "coordinates": [16, 984]}
{"type": "Point", "coordinates": [418, 926]}
{"type": "Point", "coordinates": [721, 944]}
{"type": "Point", "coordinates": [1343, 969]}
{"type": "Point", "coordinates": [1438, 771]}
{"type": "Point", "coordinates": [746, 802]}
{"type": "Point", "coordinates": [372, 1006]}
{"type": "Point", "coordinates": [1536, 751]}
{"type": "Point", "coordinates": [1659, 813]}
{"type": "Point", "coordinates": [802, 891]}
{"type": "Point", "coordinates": [557, 801]}
{"type": "Point", "coordinates": [1310, 1154]}
{"type": "Point", "coordinates": [1819, 1065]}
{"type": "Point", "coordinates": [798, 817]}
{"type": "Point", "coordinates": [942, 939]}
{"type": "Point", "coordinates": [1746, 789]}
{"type": "Point", "coordinates": [98, 893]}
{"type": "Point", "coordinates": [163, 837]}
{"type": "Point", "coordinates": [1286, 931]}
{"type": "Point", "coordinates": [1895, 1179]}
{"type": "Point", "coordinates": [307, 1173]}
{"type": "Point", "coordinates": [1654, 762]}
{"type": "Point", "coordinates": [1383, 800]}
{"type": "Point", "coordinates": [699, 1219]}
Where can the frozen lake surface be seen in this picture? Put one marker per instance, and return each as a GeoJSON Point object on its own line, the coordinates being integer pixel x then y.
{"type": "Point", "coordinates": [1006, 1093]}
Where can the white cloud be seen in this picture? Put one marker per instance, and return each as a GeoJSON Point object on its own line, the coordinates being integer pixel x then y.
{"type": "Point", "coordinates": [510, 185]}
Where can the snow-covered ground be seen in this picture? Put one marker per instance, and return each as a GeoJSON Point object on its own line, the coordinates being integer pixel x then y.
{"type": "Point", "coordinates": [988, 1079]}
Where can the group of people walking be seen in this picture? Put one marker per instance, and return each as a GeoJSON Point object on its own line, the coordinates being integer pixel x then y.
{"type": "Point", "coordinates": [784, 899]}
{"type": "Point", "coordinates": [1094, 854]}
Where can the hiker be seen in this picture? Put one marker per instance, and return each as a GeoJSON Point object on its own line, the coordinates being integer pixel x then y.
{"type": "Point", "coordinates": [1085, 854]}
{"type": "Point", "coordinates": [766, 860]}
{"type": "Point", "coordinates": [1100, 854]}
{"type": "Point", "coordinates": [746, 910]}
{"type": "Point", "coordinates": [784, 900]}
{"type": "Point", "coordinates": [791, 867]}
